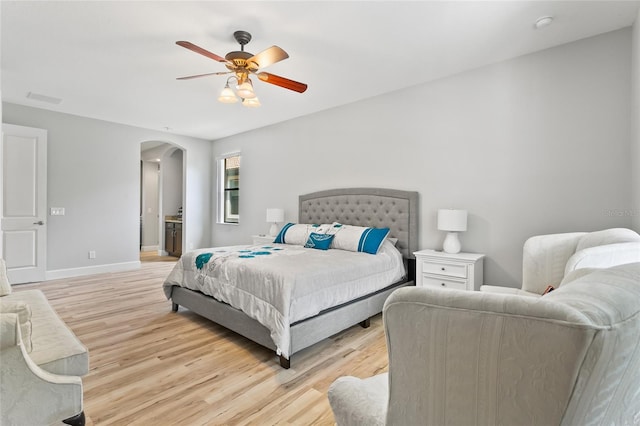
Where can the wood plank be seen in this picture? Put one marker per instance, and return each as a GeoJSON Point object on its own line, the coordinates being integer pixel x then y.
{"type": "Point", "coordinates": [149, 365]}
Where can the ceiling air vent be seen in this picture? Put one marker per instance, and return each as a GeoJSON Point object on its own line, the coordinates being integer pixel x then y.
{"type": "Point", "coordinates": [43, 98]}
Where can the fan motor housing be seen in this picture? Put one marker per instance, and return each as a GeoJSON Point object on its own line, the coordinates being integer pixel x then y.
{"type": "Point", "coordinates": [238, 58]}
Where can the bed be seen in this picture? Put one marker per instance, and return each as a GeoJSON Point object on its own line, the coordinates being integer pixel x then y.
{"type": "Point", "coordinates": [370, 207]}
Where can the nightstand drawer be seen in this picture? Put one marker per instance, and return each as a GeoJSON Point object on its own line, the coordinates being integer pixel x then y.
{"type": "Point", "coordinates": [428, 280]}
{"type": "Point", "coordinates": [444, 268]}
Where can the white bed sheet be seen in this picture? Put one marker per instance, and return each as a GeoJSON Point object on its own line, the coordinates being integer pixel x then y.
{"type": "Point", "coordinates": [289, 284]}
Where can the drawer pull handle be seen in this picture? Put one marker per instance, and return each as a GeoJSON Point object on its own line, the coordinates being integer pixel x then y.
{"type": "Point", "coordinates": [443, 268]}
{"type": "Point", "coordinates": [442, 284]}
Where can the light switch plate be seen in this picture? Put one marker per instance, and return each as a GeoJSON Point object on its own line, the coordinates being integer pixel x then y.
{"type": "Point", "coordinates": [57, 211]}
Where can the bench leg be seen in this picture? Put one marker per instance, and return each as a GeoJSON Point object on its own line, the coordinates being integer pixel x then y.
{"type": "Point", "coordinates": [77, 420]}
{"type": "Point", "coordinates": [174, 307]}
{"type": "Point", "coordinates": [366, 323]}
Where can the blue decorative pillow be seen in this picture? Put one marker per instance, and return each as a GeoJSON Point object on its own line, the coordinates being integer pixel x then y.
{"type": "Point", "coordinates": [319, 241]}
{"type": "Point", "coordinates": [357, 238]}
{"type": "Point", "coordinates": [297, 234]}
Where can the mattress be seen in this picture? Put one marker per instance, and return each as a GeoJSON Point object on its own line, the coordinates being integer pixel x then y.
{"type": "Point", "coordinates": [280, 284]}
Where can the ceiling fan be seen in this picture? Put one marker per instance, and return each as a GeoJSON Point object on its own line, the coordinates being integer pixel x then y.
{"type": "Point", "coordinates": [241, 64]}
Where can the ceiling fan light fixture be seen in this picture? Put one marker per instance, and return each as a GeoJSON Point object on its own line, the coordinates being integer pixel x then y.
{"type": "Point", "coordinates": [227, 96]}
{"type": "Point", "coordinates": [251, 103]}
{"type": "Point", "coordinates": [245, 90]}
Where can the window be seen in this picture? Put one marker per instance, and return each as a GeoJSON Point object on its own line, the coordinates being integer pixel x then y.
{"type": "Point", "coordinates": [229, 188]}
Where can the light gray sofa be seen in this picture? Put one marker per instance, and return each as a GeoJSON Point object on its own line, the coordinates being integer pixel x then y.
{"type": "Point", "coordinates": [553, 258]}
{"type": "Point", "coordinates": [570, 357]}
{"type": "Point", "coordinates": [41, 361]}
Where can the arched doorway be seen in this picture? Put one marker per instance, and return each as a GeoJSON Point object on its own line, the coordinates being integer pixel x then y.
{"type": "Point", "coordinates": [161, 197]}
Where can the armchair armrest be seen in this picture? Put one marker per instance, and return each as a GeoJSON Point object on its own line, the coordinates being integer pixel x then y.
{"type": "Point", "coordinates": [359, 402]}
{"type": "Point", "coordinates": [485, 358]}
{"type": "Point", "coordinates": [507, 290]}
{"type": "Point", "coordinates": [29, 394]}
{"type": "Point", "coordinates": [544, 259]}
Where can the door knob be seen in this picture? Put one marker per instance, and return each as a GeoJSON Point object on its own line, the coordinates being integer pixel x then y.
{"type": "Point", "coordinates": [38, 223]}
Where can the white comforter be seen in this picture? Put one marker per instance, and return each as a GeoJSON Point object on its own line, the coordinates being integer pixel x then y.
{"type": "Point", "coordinates": [280, 284]}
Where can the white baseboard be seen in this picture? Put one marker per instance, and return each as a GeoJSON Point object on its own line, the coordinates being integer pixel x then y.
{"type": "Point", "coordinates": [90, 270]}
{"type": "Point", "coordinates": [150, 248]}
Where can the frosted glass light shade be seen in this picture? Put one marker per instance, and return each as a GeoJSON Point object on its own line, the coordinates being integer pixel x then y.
{"type": "Point", "coordinates": [227, 96]}
{"type": "Point", "coordinates": [245, 90]}
{"type": "Point", "coordinates": [251, 103]}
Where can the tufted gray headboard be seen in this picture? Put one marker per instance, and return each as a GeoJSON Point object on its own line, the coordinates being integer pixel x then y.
{"type": "Point", "coordinates": [375, 207]}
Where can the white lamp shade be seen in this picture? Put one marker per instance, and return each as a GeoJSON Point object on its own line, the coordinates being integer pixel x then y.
{"type": "Point", "coordinates": [275, 215]}
{"type": "Point", "coordinates": [452, 220]}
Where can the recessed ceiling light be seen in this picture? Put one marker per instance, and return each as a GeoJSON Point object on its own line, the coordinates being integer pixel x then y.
{"type": "Point", "coordinates": [543, 21]}
{"type": "Point", "coordinates": [43, 98]}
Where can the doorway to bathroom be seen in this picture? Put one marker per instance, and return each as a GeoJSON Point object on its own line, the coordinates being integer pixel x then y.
{"type": "Point", "coordinates": [161, 198]}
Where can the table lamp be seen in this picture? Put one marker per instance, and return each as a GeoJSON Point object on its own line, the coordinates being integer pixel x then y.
{"type": "Point", "coordinates": [274, 216]}
{"type": "Point", "coordinates": [452, 221]}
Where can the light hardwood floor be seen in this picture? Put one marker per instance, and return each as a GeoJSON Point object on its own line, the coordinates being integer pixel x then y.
{"type": "Point", "coordinates": [150, 366]}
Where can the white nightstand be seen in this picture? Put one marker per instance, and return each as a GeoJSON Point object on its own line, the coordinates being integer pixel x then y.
{"type": "Point", "coordinates": [462, 271]}
{"type": "Point", "coordinates": [262, 239]}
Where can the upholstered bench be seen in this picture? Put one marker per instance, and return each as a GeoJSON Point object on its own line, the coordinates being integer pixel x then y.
{"type": "Point", "coordinates": [42, 361]}
{"type": "Point", "coordinates": [54, 346]}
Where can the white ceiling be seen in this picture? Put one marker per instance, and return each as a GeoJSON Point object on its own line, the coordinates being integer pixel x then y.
{"type": "Point", "coordinates": [118, 60]}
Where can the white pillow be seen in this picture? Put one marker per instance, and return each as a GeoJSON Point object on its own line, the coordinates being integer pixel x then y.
{"type": "Point", "coordinates": [5, 287]}
{"type": "Point", "coordinates": [357, 238]}
{"type": "Point", "coordinates": [298, 233]}
{"type": "Point", "coordinates": [23, 311]}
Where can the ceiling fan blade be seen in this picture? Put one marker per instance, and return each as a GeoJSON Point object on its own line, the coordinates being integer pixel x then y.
{"type": "Point", "coordinates": [267, 57]}
{"type": "Point", "coordinates": [282, 82]}
{"type": "Point", "coordinates": [203, 75]}
{"type": "Point", "coordinates": [200, 50]}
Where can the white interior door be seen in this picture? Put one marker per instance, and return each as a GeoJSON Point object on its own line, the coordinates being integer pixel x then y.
{"type": "Point", "coordinates": [24, 203]}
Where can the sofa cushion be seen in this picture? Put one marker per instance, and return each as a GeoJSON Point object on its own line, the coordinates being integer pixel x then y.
{"type": "Point", "coordinates": [54, 346]}
{"type": "Point", "coordinates": [23, 311]}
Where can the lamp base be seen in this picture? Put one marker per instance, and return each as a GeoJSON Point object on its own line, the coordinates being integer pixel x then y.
{"type": "Point", "coordinates": [451, 243]}
{"type": "Point", "coordinates": [273, 231]}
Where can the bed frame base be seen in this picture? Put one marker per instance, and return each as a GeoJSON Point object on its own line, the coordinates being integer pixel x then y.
{"type": "Point", "coordinates": [303, 333]}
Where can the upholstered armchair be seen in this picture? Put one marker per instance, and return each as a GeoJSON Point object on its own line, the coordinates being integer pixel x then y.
{"type": "Point", "coordinates": [548, 259]}
{"type": "Point", "coordinates": [570, 357]}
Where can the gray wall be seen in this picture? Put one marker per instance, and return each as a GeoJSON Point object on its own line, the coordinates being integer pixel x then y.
{"type": "Point", "coordinates": [538, 144]}
{"type": "Point", "coordinates": [94, 172]}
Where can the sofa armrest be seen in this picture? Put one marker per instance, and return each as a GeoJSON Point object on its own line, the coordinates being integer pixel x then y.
{"type": "Point", "coordinates": [359, 402]}
{"type": "Point", "coordinates": [29, 394]}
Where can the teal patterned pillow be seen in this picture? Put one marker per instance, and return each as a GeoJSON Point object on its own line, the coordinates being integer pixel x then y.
{"type": "Point", "coordinates": [319, 241]}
